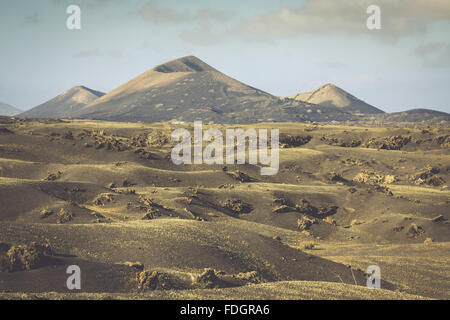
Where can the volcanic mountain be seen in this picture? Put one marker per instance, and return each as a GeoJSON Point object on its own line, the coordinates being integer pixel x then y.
{"type": "Point", "coordinates": [188, 89]}
{"type": "Point", "coordinates": [65, 104]}
{"type": "Point", "coordinates": [7, 110]}
{"type": "Point", "coordinates": [330, 95]}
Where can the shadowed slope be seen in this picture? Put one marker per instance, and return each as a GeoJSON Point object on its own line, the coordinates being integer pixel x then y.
{"type": "Point", "coordinates": [184, 89]}
{"type": "Point", "coordinates": [188, 89]}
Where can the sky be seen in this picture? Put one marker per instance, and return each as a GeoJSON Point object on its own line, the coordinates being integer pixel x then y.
{"type": "Point", "coordinates": [283, 47]}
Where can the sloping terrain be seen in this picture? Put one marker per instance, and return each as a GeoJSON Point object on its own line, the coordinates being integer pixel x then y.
{"type": "Point", "coordinates": [413, 268]}
{"type": "Point", "coordinates": [188, 89]}
{"type": "Point", "coordinates": [63, 105]}
{"type": "Point", "coordinates": [7, 110]}
{"type": "Point", "coordinates": [431, 117]}
{"type": "Point", "coordinates": [106, 196]}
{"type": "Point", "coordinates": [330, 95]}
{"type": "Point", "coordinates": [283, 290]}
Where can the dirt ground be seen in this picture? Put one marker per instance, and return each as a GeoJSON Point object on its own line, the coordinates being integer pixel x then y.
{"type": "Point", "coordinates": [105, 196]}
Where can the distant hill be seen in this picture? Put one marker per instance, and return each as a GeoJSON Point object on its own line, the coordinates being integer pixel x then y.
{"type": "Point", "coordinates": [7, 110]}
{"type": "Point", "coordinates": [330, 95]}
{"type": "Point", "coordinates": [65, 104]}
{"type": "Point", "coordinates": [413, 115]}
{"type": "Point", "coordinates": [188, 89]}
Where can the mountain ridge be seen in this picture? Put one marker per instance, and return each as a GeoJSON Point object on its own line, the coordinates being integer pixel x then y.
{"type": "Point", "coordinates": [64, 104]}
{"type": "Point", "coordinates": [8, 110]}
{"type": "Point", "coordinates": [188, 89]}
{"type": "Point", "coordinates": [184, 89]}
{"type": "Point", "coordinates": [184, 64]}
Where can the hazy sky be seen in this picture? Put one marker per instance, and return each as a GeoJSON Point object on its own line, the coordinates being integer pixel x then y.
{"type": "Point", "coordinates": [282, 47]}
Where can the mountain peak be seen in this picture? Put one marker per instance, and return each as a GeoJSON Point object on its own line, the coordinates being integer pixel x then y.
{"type": "Point", "coordinates": [332, 87]}
{"type": "Point", "coordinates": [329, 85]}
{"type": "Point", "coordinates": [184, 64]}
{"type": "Point", "coordinates": [8, 110]}
{"type": "Point", "coordinates": [81, 88]}
{"type": "Point", "coordinates": [330, 95]}
{"type": "Point", "coordinates": [331, 92]}
{"type": "Point", "coordinates": [64, 104]}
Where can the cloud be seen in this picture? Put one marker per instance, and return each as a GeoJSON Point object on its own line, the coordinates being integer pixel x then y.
{"type": "Point", "coordinates": [116, 54]}
{"type": "Point", "coordinates": [201, 25]}
{"type": "Point", "coordinates": [334, 65]}
{"type": "Point", "coordinates": [33, 19]}
{"type": "Point", "coordinates": [88, 53]}
{"type": "Point", "coordinates": [398, 18]}
{"type": "Point", "coordinates": [434, 54]}
{"type": "Point", "coordinates": [85, 3]}
{"type": "Point", "coordinates": [157, 14]}
{"type": "Point", "coordinates": [203, 36]}
{"type": "Point", "coordinates": [98, 53]}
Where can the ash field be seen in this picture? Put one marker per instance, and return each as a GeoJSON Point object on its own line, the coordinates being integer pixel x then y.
{"type": "Point", "coordinates": [106, 196]}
